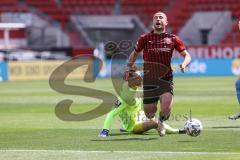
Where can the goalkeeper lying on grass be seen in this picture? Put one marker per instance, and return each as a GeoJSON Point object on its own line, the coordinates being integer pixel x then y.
{"type": "Point", "coordinates": [129, 109]}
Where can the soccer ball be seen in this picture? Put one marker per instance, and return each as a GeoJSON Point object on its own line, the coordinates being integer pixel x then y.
{"type": "Point", "coordinates": [193, 127]}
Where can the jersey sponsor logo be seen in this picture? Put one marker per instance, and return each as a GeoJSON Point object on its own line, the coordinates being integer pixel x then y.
{"type": "Point", "coordinates": [158, 50]}
{"type": "Point", "coordinates": [166, 41]}
{"type": "Point", "coordinates": [117, 103]}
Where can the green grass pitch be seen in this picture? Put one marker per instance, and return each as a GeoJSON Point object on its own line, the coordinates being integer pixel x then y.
{"type": "Point", "coordinates": [29, 128]}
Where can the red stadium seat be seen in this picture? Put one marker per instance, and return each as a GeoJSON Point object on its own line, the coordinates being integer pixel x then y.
{"type": "Point", "coordinates": [178, 17]}
{"type": "Point", "coordinates": [93, 7]}
{"type": "Point", "coordinates": [178, 11]}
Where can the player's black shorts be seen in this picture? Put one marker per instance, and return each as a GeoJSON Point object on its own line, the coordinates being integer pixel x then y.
{"type": "Point", "coordinates": [153, 88]}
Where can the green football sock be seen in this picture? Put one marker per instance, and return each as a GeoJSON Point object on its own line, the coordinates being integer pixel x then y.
{"type": "Point", "coordinates": [170, 130]}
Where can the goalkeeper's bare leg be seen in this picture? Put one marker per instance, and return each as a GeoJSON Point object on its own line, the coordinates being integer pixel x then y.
{"type": "Point", "coordinates": [140, 128]}
{"type": "Point", "coordinates": [151, 124]}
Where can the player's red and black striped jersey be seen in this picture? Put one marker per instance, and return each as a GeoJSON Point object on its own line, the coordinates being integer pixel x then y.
{"type": "Point", "coordinates": [158, 48]}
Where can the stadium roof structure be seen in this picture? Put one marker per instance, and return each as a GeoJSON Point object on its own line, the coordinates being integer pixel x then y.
{"type": "Point", "coordinates": [12, 25]}
{"type": "Point", "coordinates": [94, 29]}
{"type": "Point", "coordinates": [106, 22]}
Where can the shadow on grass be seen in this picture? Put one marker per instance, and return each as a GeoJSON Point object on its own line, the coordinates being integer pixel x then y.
{"type": "Point", "coordinates": [126, 133]}
{"type": "Point", "coordinates": [221, 127]}
{"type": "Point", "coordinates": [126, 139]}
{"type": "Point", "coordinates": [186, 141]}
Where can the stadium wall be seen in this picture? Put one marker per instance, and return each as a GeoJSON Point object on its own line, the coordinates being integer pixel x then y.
{"type": "Point", "coordinates": [41, 70]}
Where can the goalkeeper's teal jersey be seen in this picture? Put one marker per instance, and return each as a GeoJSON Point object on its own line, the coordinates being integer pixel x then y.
{"type": "Point", "coordinates": [127, 107]}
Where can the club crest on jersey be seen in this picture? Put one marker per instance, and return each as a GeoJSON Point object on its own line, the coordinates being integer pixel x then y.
{"type": "Point", "coordinates": [151, 42]}
{"type": "Point", "coordinates": [167, 40]}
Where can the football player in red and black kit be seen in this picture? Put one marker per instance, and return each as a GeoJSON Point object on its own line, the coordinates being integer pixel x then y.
{"type": "Point", "coordinates": [158, 47]}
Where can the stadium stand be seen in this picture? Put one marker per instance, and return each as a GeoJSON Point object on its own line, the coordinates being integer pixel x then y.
{"type": "Point", "coordinates": [17, 36]}
{"type": "Point", "coordinates": [51, 9]}
{"type": "Point", "coordinates": [180, 11]}
{"type": "Point", "coordinates": [11, 6]}
{"type": "Point", "coordinates": [143, 8]}
{"type": "Point", "coordinates": [62, 11]}
{"type": "Point", "coordinates": [232, 37]}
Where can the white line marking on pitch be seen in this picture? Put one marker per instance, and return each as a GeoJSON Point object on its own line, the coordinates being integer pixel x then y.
{"type": "Point", "coordinates": [131, 152]}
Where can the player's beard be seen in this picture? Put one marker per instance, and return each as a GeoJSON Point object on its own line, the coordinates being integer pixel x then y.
{"type": "Point", "coordinates": [159, 29]}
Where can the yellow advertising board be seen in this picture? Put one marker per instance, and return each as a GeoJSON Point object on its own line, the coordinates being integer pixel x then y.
{"type": "Point", "coordinates": [41, 70]}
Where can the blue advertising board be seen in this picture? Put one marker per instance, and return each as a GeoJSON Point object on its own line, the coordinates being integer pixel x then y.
{"type": "Point", "coordinates": [3, 71]}
{"type": "Point", "coordinates": [205, 67]}
{"type": "Point", "coordinates": [198, 67]}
